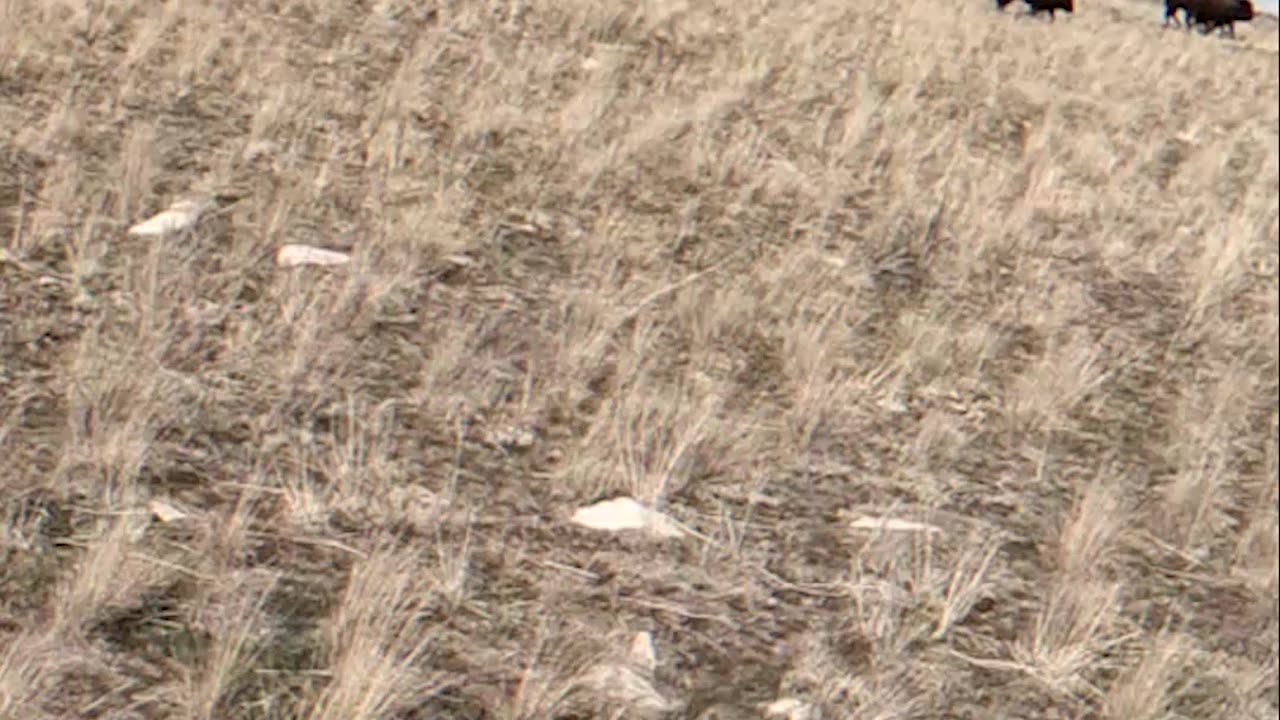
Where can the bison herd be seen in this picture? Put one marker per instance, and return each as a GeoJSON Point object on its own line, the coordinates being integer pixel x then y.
{"type": "Point", "coordinates": [1207, 15]}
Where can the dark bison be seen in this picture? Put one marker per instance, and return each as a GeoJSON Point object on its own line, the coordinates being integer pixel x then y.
{"type": "Point", "coordinates": [1038, 6]}
{"type": "Point", "coordinates": [1209, 14]}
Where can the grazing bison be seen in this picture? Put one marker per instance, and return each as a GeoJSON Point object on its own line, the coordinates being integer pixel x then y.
{"type": "Point", "coordinates": [1210, 14]}
{"type": "Point", "coordinates": [1224, 14]}
{"type": "Point", "coordinates": [1038, 6]}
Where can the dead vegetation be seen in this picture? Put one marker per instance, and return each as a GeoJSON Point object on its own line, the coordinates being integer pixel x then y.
{"type": "Point", "coordinates": [771, 268]}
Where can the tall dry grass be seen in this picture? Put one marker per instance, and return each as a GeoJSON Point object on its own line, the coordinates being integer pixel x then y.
{"type": "Point", "coordinates": [767, 266]}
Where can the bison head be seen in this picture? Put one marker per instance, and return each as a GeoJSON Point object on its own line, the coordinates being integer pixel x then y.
{"type": "Point", "coordinates": [1243, 11]}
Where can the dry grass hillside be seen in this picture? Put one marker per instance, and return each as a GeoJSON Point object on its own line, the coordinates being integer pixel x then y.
{"type": "Point", "coordinates": [769, 267]}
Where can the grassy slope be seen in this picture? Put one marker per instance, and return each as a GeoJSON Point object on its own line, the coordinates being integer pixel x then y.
{"type": "Point", "coordinates": [768, 264]}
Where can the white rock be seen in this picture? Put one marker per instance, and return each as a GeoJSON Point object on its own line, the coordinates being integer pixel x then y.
{"type": "Point", "coordinates": [625, 513]}
{"type": "Point", "coordinates": [790, 709]}
{"type": "Point", "coordinates": [642, 652]}
{"type": "Point", "coordinates": [295, 255]}
{"type": "Point", "coordinates": [758, 498]}
{"type": "Point", "coordinates": [512, 436]}
{"type": "Point", "coordinates": [182, 215]}
{"type": "Point", "coordinates": [892, 402]}
{"type": "Point", "coordinates": [892, 525]}
{"type": "Point", "coordinates": [459, 260]}
{"type": "Point", "coordinates": [165, 512]}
